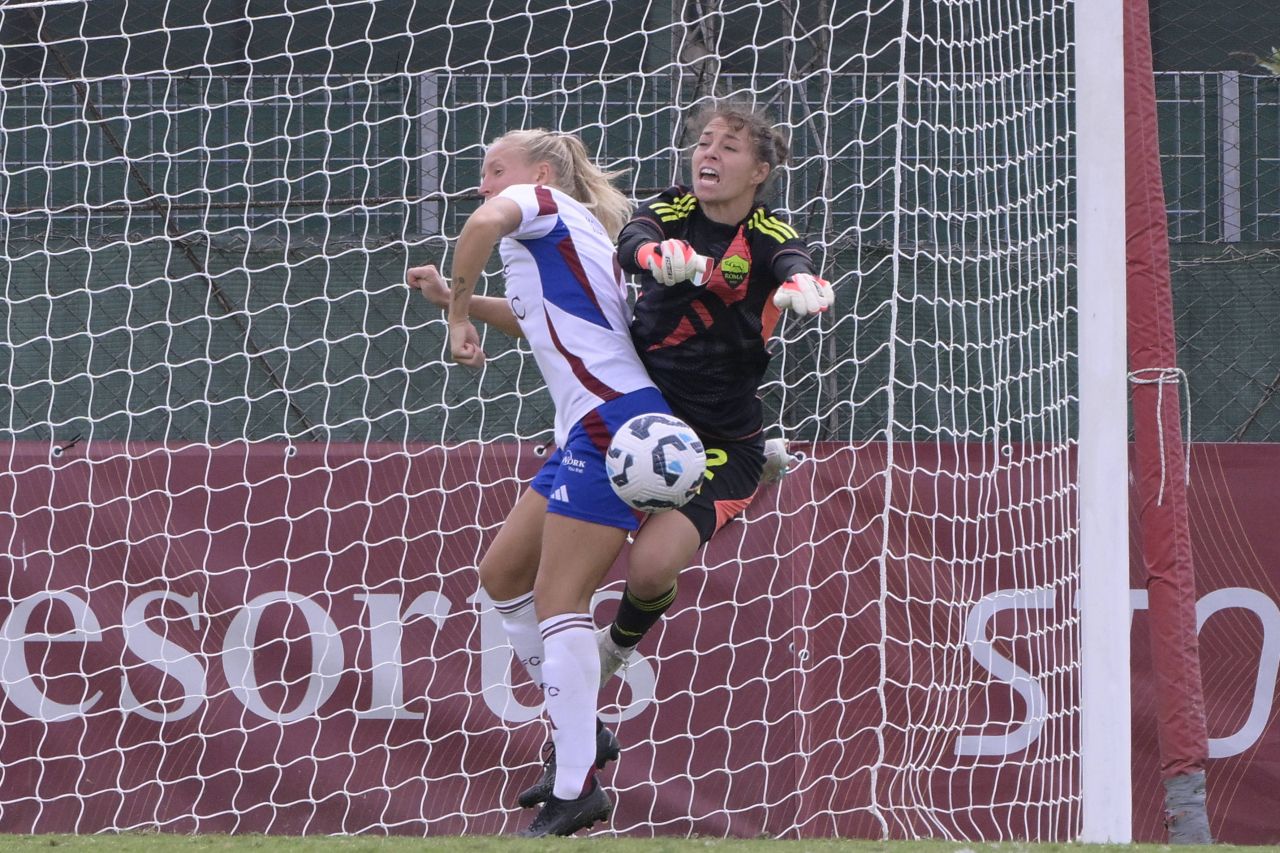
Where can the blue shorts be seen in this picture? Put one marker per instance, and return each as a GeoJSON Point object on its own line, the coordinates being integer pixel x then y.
{"type": "Point", "coordinates": [574, 480]}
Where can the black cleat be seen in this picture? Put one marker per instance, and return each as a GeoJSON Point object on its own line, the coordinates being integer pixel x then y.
{"type": "Point", "coordinates": [607, 749]}
{"type": "Point", "coordinates": [565, 817]}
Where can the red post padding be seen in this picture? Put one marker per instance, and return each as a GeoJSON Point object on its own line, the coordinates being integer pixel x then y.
{"type": "Point", "coordinates": [1159, 466]}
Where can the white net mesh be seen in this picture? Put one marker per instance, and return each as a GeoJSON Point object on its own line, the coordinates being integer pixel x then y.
{"type": "Point", "coordinates": [243, 492]}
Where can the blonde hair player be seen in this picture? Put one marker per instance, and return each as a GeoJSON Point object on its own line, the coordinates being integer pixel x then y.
{"type": "Point", "coordinates": [553, 214]}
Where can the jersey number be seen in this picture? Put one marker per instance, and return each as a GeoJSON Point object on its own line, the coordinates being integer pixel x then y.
{"type": "Point", "coordinates": [715, 458]}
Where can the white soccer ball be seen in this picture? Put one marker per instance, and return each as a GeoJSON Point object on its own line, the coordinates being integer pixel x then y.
{"type": "Point", "coordinates": [655, 462]}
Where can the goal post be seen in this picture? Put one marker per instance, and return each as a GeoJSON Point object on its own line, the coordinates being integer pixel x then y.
{"type": "Point", "coordinates": [243, 492]}
{"type": "Point", "coordinates": [1105, 614]}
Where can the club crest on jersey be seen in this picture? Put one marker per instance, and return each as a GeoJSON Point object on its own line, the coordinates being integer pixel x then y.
{"type": "Point", "coordinates": [735, 270]}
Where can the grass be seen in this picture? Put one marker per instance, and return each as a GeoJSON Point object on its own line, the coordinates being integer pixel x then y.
{"type": "Point", "coordinates": [155, 843]}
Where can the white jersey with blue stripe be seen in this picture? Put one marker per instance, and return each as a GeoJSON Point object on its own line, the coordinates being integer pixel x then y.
{"type": "Point", "coordinates": [568, 294]}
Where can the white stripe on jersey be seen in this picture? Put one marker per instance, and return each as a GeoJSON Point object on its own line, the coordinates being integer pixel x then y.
{"type": "Point", "coordinates": [566, 289]}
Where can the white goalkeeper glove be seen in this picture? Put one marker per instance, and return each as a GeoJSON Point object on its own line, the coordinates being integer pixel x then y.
{"type": "Point", "coordinates": [804, 294]}
{"type": "Point", "coordinates": [673, 261]}
{"type": "Point", "coordinates": [777, 461]}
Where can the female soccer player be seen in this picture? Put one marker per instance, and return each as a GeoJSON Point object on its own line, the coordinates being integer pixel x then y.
{"type": "Point", "coordinates": [716, 267]}
{"type": "Point", "coordinates": [554, 214]}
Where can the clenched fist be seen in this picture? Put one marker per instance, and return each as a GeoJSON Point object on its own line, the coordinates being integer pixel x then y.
{"type": "Point", "coordinates": [804, 294]}
{"type": "Point", "coordinates": [674, 261]}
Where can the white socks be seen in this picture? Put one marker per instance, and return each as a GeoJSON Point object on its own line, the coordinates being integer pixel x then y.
{"type": "Point", "coordinates": [521, 624]}
{"type": "Point", "coordinates": [571, 675]}
{"type": "Point", "coordinates": [561, 657]}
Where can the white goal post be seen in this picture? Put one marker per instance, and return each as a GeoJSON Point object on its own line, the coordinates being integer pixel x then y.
{"type": "Point", "coordinates": [243, 491]}
{"type": "Point", "coordinates": [1105, 781]}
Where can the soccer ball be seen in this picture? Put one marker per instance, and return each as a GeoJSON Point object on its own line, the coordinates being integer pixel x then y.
{"type": "Point", "coordinates": [655, 462]}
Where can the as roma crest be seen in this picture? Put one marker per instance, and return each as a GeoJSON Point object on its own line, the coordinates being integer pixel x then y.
{"type": "Point", "coordinates": [735, 270]}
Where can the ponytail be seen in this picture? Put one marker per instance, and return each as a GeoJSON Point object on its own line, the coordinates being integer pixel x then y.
{"type": "Point", "coordinates": [576, 175]}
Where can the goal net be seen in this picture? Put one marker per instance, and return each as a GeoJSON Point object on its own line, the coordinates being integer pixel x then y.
{"type": "Point", "coordinates": [244, 491]}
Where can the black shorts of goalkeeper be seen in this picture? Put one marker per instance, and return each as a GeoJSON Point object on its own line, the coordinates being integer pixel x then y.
{"type": "Point", "coordinates": [732, 479]}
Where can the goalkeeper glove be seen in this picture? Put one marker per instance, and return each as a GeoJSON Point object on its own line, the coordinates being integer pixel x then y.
{"type": "Point", "coordinates": [673, 261]}
{"type": "Point", "coordinates": [804, 294]}
{"type": "Point", "coordinates": [777, 461]}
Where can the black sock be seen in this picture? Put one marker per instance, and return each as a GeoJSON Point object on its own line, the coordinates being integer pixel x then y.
{"type": "Point", "coordinates": [636, 616]}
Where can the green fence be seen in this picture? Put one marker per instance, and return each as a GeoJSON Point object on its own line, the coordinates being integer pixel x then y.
{"type": "Point", "coordinates": [136, 223]}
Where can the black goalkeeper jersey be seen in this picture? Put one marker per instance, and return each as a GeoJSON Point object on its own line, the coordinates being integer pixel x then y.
{"type": "Point", "coordinates": [704, 346]}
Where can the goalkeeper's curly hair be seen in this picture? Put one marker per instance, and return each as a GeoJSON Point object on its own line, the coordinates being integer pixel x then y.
{"type": "Point", "coordinates": [576, 175]}
{"type": "Point", "coordinates": [771, 144]}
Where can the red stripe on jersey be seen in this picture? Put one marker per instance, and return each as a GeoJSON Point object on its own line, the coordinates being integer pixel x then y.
{"type": "Point", "coordinates": [740, 247]}
{"type": "Point", "coordinates": [546, 202]}
{"type": "Point", "coordinates": [682, 333]}
{"type": "Point", "coordinates": [597, 430]}
{"type": "Point", "coordinates": [570, 254]}
{"type": "Point", "coordinates": [769, 317]}
{"type": "Point", "coordinates": [703, 314]}
{"type": "Point", "coordinates": [588, 379]}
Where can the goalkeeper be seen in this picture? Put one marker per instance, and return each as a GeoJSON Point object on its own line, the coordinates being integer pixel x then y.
{"type": "Point", "coordinates": [716, 269]}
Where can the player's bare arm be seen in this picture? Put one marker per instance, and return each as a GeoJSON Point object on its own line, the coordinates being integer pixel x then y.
{"type": "Point", "coordinates": [490, 310]}
{"type": "Point", "coordinates": [494, 219]}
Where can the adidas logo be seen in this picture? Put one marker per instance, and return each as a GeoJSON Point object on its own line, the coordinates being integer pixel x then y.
{"type": "Point", "coordinates": [561, 494]}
